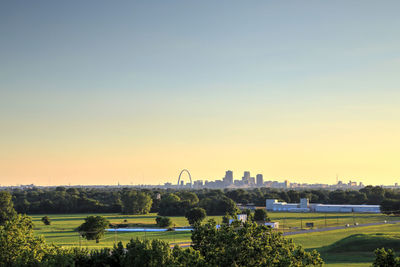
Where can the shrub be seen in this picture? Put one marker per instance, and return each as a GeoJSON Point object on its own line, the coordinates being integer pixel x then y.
{"type": "Point", "coordinates": [46, 220]}
{"type": "Point", "coordinates": [163, 221]}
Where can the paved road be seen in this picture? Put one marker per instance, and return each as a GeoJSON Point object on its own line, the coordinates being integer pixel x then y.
{"type": "Point", "coordinates": [337, 228]}
{"type": "Point", "coordinates": [187, 244]}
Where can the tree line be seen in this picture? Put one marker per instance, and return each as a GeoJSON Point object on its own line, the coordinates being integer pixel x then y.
{"type": "Point", "coordinates": [235, 244]}
{"type": "Point", "coordinates": [169, 202]}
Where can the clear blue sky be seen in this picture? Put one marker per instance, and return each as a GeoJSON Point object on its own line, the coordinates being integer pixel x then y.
{"type": "Point", "coordinates": [103, 91]}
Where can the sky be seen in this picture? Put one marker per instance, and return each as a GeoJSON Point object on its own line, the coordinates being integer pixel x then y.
{"type": "Point", "coordinates": [101, 92]}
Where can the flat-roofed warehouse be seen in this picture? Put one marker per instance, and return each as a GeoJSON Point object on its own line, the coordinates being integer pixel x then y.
{"type": "Point", "coordinates": [305, 206]}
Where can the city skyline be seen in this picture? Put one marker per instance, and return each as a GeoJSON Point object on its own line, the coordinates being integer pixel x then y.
{"type": "Point", "coordinates": [98, 93]}
{"type": "Point", "coordinates": [186, 180]}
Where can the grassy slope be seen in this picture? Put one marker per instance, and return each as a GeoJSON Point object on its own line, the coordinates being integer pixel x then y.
{"type": "Point", "coordinates": [365, 243]}
{"type": "Point", "coordinates": [324, 242]}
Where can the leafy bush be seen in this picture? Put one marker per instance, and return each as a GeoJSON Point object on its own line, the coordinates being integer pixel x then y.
{"type": "Point", "coordinates": [163, 221]}
{"type": "Point", "coordinates": [46, 220]}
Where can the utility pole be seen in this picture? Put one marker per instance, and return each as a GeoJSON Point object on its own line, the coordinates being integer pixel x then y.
{"type": "Point", "coordinates": [174, 235]}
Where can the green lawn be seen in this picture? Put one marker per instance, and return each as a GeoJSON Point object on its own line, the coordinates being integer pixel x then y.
{"type": "Point", "coordinates": [62, 232]}
{"type": "Point", "coordinates": [322, 241]}
{"type": "Point", "coordinates": [290, 221]}
{"type": "Point", "coordinates": [62, 229]}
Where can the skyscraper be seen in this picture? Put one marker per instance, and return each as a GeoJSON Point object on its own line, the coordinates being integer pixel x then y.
{"type": "Point", "coordinates": [260, 180]}
{"type": "Point", "coordinates": [228, 179]}
{"type": "Point", "coordinates": [246, 177]}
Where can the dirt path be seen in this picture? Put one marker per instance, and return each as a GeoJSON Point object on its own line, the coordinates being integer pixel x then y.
{"type": "Point", "coordinates": [337, 228]}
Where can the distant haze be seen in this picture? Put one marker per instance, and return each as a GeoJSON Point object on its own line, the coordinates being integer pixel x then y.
{"type": "Point", "coordinates": [101, 92]}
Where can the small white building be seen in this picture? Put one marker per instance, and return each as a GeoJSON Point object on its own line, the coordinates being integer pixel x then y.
{"type": "Point", "coordinates": [240, 217]}
{"type": "Point", "coordinates": [274, 225]}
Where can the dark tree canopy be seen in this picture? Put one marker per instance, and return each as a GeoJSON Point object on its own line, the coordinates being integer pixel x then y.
{"type": "Point", "coordinates": [176, 202]}
{"type": "Point", "coordinates": [218, 205]}
{"type": "Point", "coordinates": [136, 202]}
{"type": "Point", "coordinates": [172, 205]}
{"type": "Point", "coordinates": [261, 215]}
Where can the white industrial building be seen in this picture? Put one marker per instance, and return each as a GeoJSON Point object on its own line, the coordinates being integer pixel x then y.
{"type": "Point", "coordinates": [305, 206]}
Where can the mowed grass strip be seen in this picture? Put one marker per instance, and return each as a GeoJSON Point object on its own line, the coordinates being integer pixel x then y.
{"type": "Point", "coordinates": [289, 221]}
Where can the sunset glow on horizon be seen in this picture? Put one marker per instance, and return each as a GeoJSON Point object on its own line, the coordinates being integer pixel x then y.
{"type": "Point", "coordinates": [96, 93]}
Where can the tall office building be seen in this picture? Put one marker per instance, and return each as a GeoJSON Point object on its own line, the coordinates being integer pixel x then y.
{"type": "Point", "coordinates": [252, 181]}
{"type": "Point", "coordinates": [260, 180]}
{"type": "Point", "coordinates": [246, 177]}
{"type": "Point", "coordinates": [228, 179]}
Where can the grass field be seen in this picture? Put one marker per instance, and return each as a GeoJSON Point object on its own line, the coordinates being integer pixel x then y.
{"type": "Point", "coordinates": [62, 229]}
{"type": "Point", "coordinates": [356, 253]}
{"type": "Point", "coordinates": [289, 221]}
{"type": "Point", "coordinates": [62, 232]}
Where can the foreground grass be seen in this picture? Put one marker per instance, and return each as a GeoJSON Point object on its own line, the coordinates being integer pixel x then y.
{"type": "Point", "coordinates": [62, 232]}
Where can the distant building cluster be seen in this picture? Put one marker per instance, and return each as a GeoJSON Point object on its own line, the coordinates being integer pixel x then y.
{"type": "Point", "coordinates": [305, 206]}
{"type": "Point", "coordinates": [248, 181]}
{"type": "Point", "coordinates": [228, 181]}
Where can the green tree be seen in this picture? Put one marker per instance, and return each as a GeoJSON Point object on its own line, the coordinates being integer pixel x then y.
{"type": "Point", "coordinates": [248, 245]}
{"type": "Point", "coordinates": [93, 228]}
{"type": "Point", "coordinates": [171, 205]}
{"type": "Point", "coordinates": [7, 211]}
{"type": "Point", "coordinates": [19, 246]}
{"type": "Point", "coordinates": [385, 258]}
{"type": "Point", "coordinates": [46, 220]}
{"type": "Point", "coordinates": [219, 205]}
{"type": "Point", "coordinates": [148, 253]}
{"type": "Point", "coordinates": [187, 257]}
{"type": "Point", "coordinates": [226, 218]}
{"type": "Point", "coordinates": [195, 215]}
{"type": "Point", "coordinates": [261, 215]}
{"type": "Point", "coordinates": [136, 202]}
{"type": "Point", "coordinates": [163, 221]}
{"type": "Point", "coordinates": [190, 197]}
